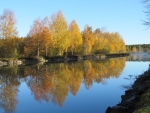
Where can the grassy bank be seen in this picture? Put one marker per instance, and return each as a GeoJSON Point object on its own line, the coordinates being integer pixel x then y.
{"type": "Point", "coordinates": [143, 105]}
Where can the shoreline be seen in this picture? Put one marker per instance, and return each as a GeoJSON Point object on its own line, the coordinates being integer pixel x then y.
{"type": "Point", "coordinates": [132, 96]}
{"type": "Point", "coordinates": [57, 59]}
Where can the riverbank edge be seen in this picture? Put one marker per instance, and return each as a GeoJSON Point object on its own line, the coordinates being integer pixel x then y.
{"type": "Point", "coordinates": [132, 98]}
{"type": "Point", "coordinates": [20, 61]}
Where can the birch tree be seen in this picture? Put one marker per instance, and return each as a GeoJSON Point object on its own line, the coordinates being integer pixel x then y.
{"type": "Point", "coordinates": [8, 25]}
{"type": "Point", "coordinates": [88, 40]}
{"type": "Point", "coordinates": [8, 32]}
{"type": "Point", "coordinates": [59, 28]}
{"type": "Point", "coordinates": [75, 36]}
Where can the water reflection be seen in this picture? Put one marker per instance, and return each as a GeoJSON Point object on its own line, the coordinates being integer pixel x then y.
{"type": "Point", "coordinates": [53, 82]}
{"type": "Point", "coordinates": [139, 57]}
{"type": "Point", "coordinates": [9, 84]}
{"type": "Point", "coordinates": [131, 79]}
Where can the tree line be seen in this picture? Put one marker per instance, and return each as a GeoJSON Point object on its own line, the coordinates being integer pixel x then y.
{"type": "Point", "coordinates": [138, 48]}
{"type": "Point", "coordinates": [55, 37]}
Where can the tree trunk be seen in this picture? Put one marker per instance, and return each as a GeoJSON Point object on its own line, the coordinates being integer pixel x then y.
{"type": "Point", "coordinates": [59, 53]}
{"type": "Point", "coordinates": [38, 51]}
{"type": "Point", "coordinates": [72, 51]}
{"type": "Point", "coordinates": [46, 51]}
{"type": "Point", "coordinates": [66, 52]}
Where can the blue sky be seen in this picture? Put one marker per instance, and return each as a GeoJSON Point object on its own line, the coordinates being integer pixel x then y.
{"type": "Point", "coordinates": [123, 16]}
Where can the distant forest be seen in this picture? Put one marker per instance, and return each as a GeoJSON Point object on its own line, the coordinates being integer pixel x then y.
{"type": "Point", "coordinates": [138, 48]}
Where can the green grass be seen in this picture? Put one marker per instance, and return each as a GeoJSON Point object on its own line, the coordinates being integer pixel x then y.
{"type": "Point", "coordinates": [143, 110]}
{"type": "Point", "coordinates": [143, 106]}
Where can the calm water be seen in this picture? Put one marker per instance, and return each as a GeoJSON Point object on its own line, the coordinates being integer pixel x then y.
{"type": "Point", "coordinates": [77, 87]}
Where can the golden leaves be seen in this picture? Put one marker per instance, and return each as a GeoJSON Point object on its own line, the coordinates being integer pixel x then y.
{"type": "Point", "coordinates": [75, 36]}
{"type": "Point", "coordinates": [8, 25]}
{"type": "Point", "coordinates": [53, 37]}
{"type": "Point", "coordinates": [39, 39]}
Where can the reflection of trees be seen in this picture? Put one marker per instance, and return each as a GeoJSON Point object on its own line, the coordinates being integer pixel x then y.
{"type": "Point", "coordinates": [9, 83]}
{"type": "Point", "coordinates": [134, 57]}
{"type": "Point", "coordinates": [88, 74]}
{"type": "Point", "coordinates": [99, 70]}
{"type": "Point", "coordinates": [118, 66]}
{"type": "Point", "coordinates": [139, 57]}
{"type": "Point", "coordinates": [76, 79]}
{"type": "Point", "coordinates": [40, 82]}
{"type": "Point", "coordinates": [62, 82]}
{"type": "Point", "coordinates": [53, 82]}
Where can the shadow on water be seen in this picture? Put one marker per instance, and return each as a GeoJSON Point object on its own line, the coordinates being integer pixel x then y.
{"type": "Point", "coordinates": [53, 82]}
{"type": "Point", "coordinates": [131, 80]}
